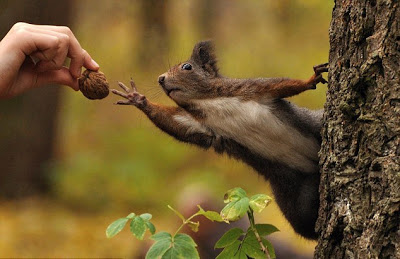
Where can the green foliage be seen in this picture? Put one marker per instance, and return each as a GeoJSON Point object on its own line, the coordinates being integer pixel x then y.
{"type": "Point", "coordinates": [211, 215]}
{"type": "Point", "coordinates": [116, 227]}
{"type": "Point", "coordinates": [229, 238]}
{"type": "Point", "coordinates": [238, 204]}
{"type": "Point", "coordinates": [266, 229]}
{"type": "Point", "coordinates": [258, 202]}
{"type": "Point", "coordinates": [247, 246]}
{"type": "Point", "coordinates": [138, 226]}
{"type": "Point", "coordinates": [252, 243]}
{"type": "Point", "coordinates": [168, 246]}
{"type": "Point", "coordinates": [235, 242]}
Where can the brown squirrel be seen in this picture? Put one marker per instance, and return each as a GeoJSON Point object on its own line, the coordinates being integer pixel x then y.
{"type": "Point", "coordinates": [248, 120]}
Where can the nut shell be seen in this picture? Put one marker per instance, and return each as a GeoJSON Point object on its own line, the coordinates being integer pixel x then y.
{"type": "Point", "coordinates": [93, 85]}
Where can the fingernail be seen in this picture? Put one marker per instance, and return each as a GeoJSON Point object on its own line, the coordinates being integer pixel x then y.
{"type": "Point", "coordinates": [79, 72]}
{"type": "Point", "coordinates": [94, 63]}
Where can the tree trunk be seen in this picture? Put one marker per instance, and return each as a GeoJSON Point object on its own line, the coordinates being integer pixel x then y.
{"type": "Point", "coordinates": [360, 164]}
{"type": "Point", "coordinates": [206, 14]}
{"type": "Point", "coordinates": [154, 32]}
{"type": "Point", "coordinates": [28, 121]}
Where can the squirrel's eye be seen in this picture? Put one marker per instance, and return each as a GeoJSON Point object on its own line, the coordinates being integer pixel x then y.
{"type": "Point", "coordinates": [187, 66]}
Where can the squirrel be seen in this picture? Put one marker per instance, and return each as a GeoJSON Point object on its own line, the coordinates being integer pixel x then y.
{"type": "Point", "coordinates": [248, 119]}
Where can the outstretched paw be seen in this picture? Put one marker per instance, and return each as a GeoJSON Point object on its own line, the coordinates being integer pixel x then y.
{"type": "Point", "coordinates": [131, 95]}
{"type": "Point", "coordinates": [317, 77]}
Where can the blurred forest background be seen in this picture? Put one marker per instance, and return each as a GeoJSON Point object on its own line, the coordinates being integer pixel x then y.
{"type": "Point", "coordinates": [70, 166]}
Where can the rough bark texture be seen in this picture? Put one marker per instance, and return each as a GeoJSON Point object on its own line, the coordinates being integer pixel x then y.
{"type": "Point", "coordinates": [360, 185]}
{"type": "Point", "coordinates": [28, 121]}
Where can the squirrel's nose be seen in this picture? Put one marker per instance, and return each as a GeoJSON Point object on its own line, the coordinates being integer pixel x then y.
{"type": "Point", "coordinates": [161, 79]}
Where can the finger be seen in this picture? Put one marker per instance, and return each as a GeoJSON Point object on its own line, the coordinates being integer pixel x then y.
{"type": "Point", "coordinates": [52, 59]}
{"type": "Point", "coordinates": [42, 44]}
{"type": "Point", "coordinates": [57, 55]}
{"type": "Point", "coordinates": [35, 43]}
{"type": "Point", "coordinates": [124, 87]}
{"type": "Point", "coordinates": [123, 102]}
{"type": "Point", "coordinates": [89, 63]}
{"type": "Point", "coordinates": [79, 57]}
{"type": "Point", "coordinates": [133, 85]}
{"type": "Point", "coordinates": [43, 66]}
{"type": "Point", "coordinates": [61, 76]}
{"type": "Point", "coordinates": [54, 56]}
{"type": "Point", "coordinates": [321, 68]}
{"type": "Point", "coordinates": [82, 60]}
{"type": "Point", "coordinates": [119, 93]}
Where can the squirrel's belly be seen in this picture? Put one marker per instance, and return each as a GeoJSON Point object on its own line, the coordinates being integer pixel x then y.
{"type": "Point", "coordinates": [254, 126]}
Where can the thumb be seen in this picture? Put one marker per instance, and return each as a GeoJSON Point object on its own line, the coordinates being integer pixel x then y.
{"type": "Point", "coordinates": [61, 76]}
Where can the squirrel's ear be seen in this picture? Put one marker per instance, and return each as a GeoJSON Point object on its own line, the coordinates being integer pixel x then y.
{"type": "Point", "coordinates": [204, 55]}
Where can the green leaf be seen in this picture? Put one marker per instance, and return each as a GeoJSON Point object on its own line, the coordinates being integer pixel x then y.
{"type": "Point", "coordinates": [183, 247]}
{"type": "Point", "coordinates": [252, 247]}
{"type": "Point", "coordinates": [234, 194]}
{"type": "Point", "coordinates": [194, 226]}
{"type": "Point", "coordinates": [146, 216]}
{"type": "Point", "coordinates": [130, 216]}
{"type": "Point", "coordinates": [270, 248]}
{"type": "Point", "coordinates": [240, 255]}
{"type": "Point", "coordinates": [161, 236]}
{"type": "Point", "coordinates": [235, 209]}
{"type": "Point", "coordinates": [229, 237]}
{"type": "Point", "coordinates": [115, 227]}
{"type": "Point", "coordinates": [211, 215]}
{"type": "Point", "coordinates": [266, 229]}
{"type": "Point", "coordinates": [229, 251]}
{"type": "Point", "coordinates": [177, 213]}
{"type": "Point", "coordinates": [138, 227]}
{"type": "Point", "coordinates": [161, 246]}
{"type": "Point", "coordinates": [151, 227]}
{"type": "Point", "coordinates": [184, 239]}
{"type": "Point", "coordinates": [258, 202]}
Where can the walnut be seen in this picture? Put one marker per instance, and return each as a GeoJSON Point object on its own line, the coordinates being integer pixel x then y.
{"type": "Point", "coordinates": [93, 85]}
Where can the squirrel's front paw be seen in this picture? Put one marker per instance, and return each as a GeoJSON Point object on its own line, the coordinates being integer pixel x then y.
{"type": "Point", "coordinates": [131, 95]}
{"type": "Point", "coordinates": [317, 77]}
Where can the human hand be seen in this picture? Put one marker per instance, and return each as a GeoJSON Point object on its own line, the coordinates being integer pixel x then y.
{"type": "Point", "coordinates": [49, 46]}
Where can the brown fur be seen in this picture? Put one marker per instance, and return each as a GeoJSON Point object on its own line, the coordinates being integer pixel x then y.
{"type": "Point", "coordinates": [235, 116]}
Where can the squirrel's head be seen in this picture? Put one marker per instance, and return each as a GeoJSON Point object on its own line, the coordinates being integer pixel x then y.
{"type": "Point", "coordinates": [190, 80]}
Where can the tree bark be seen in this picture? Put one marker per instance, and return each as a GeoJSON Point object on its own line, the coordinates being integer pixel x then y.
{"type": "Point", "coordinates": [360, 165]}
{"type": "Point", "coordinates": [28, 121]}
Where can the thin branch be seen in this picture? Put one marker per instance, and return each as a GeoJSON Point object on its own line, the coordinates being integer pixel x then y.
{"type": "Point", "coordinates": [253, 228]}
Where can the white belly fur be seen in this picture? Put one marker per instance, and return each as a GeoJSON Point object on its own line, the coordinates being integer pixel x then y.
{"type": "Point", "coordinates": [254, 126]}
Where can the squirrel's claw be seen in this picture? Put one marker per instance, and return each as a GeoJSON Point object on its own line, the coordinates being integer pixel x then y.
{"type": "Point", "coordinates": [319, 69]}
{"type": "Point", "coordinates": [124, 87]}
{"type": "Point", "coordinates": [124, 102]}
{"type": "Point", "coordinates": [317, 77]}
{"type": "Point", "coordinates": [119, 93]}
{"type": "Point", "coordinates": [132, 96]}
{"type": "Point", "coordinates": [133, 85]}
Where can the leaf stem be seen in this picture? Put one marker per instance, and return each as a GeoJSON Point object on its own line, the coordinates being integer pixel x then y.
{"type": "Point", "coordinates": [185, 221]}
{"type": "Point", "coordinates": [254, 229]}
